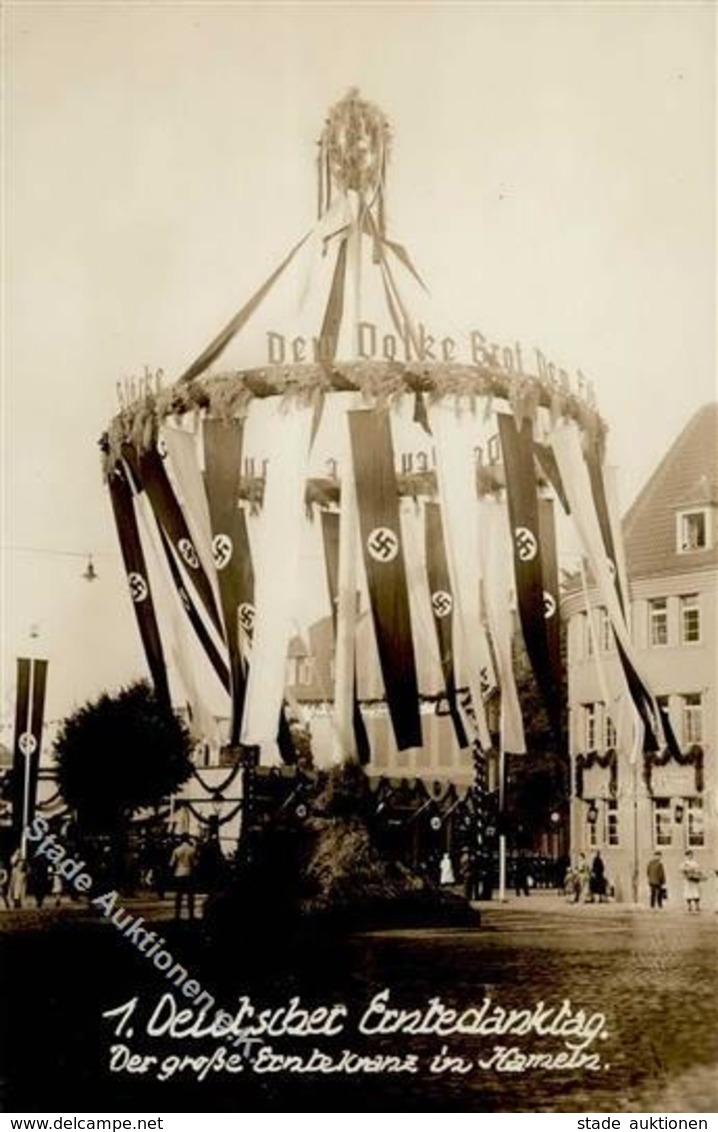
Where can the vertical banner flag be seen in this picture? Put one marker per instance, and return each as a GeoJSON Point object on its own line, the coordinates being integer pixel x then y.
{"type": "Point", "coordinates": [611, 536]}
{"type": "Point", "coordinates": [495, 547]}
{"type": "Point", "coordinates": [230, 546]}
{"type": "Point", "coordinates": [534, 606]}
{"type": "Point", "coordinates": [378, 505]}
{"type": "Point", "coordinates": [455, 434]}
{"type": "Point", "coordinates": [155, 481]}
{"type": "Point", "coordinates": [29, 714]}
{"type": "Point", "coordinates": [183, 467]}
{"type": "Point", "coordinates": [276, 568]}
{"type": "Point", "coordinates": [566, 444]}
{"type": "Point", "coordinates": [442, 607]}
{"type": "Point", "coordinates": [182, 646]}
{"type": "Point", "coordinates": [330, 533]}
{"type": "Point", "coordinates": [138, 579]}
{"type": "Point", "coordinates": [551, 584]}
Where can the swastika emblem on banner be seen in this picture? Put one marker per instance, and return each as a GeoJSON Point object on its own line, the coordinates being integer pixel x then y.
{"type": "Point", "coordinates": [382, 544]}
{"type": "Point", "coordinates": [162, 448]}
{"type": "Point", "coordinates": [611, 567]}
{"type": "Point", "coordinates": [188, 552]}
{"type": "Point", "coordinates": [184, 598]}
{"type": "Point", "coordinates": [27, 743]}
{"type": "Point", "coordinates": [526, 545]}
{"type": "Point", "coordinates": [549, 604]}
{"type": "Point", "coordinates": [138, 587]}
{"type": "Point", "coordinates": [245, 614]}
{"type": "Point", "coordinates": [221, 550]}
{"type": "Point", "coordinates": [442, 603]}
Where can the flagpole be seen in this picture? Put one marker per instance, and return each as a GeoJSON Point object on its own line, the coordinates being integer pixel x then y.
{"type": "Point", "coordinates": [502, 835]}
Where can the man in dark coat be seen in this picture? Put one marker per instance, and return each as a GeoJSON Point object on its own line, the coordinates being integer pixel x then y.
{"type": "Point", "coordinates": [656, 879]}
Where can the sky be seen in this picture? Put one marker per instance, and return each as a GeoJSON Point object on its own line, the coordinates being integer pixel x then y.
{"type": "Point", "coordinates": [552, 173]}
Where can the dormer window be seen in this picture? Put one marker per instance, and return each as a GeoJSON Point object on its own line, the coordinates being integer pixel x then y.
{"type": "Point", "coordinates": [692, 530]}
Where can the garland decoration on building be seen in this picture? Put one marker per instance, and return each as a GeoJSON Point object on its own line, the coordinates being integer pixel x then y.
{"type": "Point", "coordinates": [594, 758]}
{"type": "Point", "coordinates": [693, 757]}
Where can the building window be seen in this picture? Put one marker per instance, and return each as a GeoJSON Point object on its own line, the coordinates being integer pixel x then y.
{"type": "Point", "coordinates": [690, 620]}
{"type": "Point", "coordinates": [305, 670]}
{"type": "Point", "coordinates": [692, 719]}
{"type": "Point", "coordinates": [612, 822]}
{"type": "Point", "coordinates": [692, 530]}
{"type": "Point", "coordinates": [662, 821]}
{"type": "Point", "coordinates": [591, 828]}
{"type": "Point", "coordinates": [609, 731]}
{"type": "Point", "coordinates": [696, 835]}
{"type": "Point", "coordinates": [590, 735]}
{"type": "Point", "coordinates": [605, 630]}
{"type": "Point", "coordinates": [658, 621]}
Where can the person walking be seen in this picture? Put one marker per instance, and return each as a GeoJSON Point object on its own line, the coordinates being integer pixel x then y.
{"type": "Point", "coordinates": [182, 865]}
{"type": "Point", "coordinates": [656, 874]}
{"type": "Point", "coordinates": [584, 875]}
{"type": "Point", "coordinates": [692, 877]}
{"type": "Point", "coordinates": [521, 876]}
{"type": "Point", "coordinates": [18, 879]}
{"type": "Point", "coordinates": [597, 880]}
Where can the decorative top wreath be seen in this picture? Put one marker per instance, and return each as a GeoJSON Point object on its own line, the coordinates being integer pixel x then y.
{"type": "Point", "coordinates": [356, 139]}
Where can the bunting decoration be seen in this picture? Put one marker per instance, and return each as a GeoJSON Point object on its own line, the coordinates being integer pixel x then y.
{"type": "Point", "coordinates": [330, 534]}
{"type": "Point", "coordinates": [138, 579]}
{"type": "Point", "coordinates": [536, 606]}
{"type": "Point", "coordinates": [442, 606]}
{"type": "Point", "coordinates": [373, 461]}
{"type": "Point", "coordinates": [29, 716]}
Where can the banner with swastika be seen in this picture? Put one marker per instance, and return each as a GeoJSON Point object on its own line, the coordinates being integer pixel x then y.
{"type": "Point", "coordinates": [230, 547]}
{"type": "Point", "coordinates": [138, 581]}
{"type": "Point", "coordinates": [442, 605]}
{"type": "Point", "coordinates": [379, 525]}
{"type": "Point", "coordinates": [29, 715]}
{"type": "Point", "coordinates": [151, 473]}
{"type": "Point", "coordinates": [517, 445]}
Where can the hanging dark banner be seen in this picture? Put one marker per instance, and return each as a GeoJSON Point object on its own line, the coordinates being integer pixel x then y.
{"type": "Point", "coordinates": [518, 449]}
{"type": "Point", "coordinates": [551, 588]}
{"type": "Point", "coordinates": [230, 544]}
{"type": "Point", "coordinates": [547, 460]}
{"type": "Point", "coordinates": [598, 491]}
{"type": "Point", "coordinates": [654, 719]}
{"type": "Point", "coordinates": [233, 561]}
{"type": "Point", "coordinates": [378, 506]}
{"type": "Point", "coordinates": [29, 715]}
{"type": "Point", "coordinates": [138, 579]}
{"type": "Point", "coordinates": [442, 609]}
{"type": "Point", "coordinates": [330, 533]}
{"type": "Point", "coordinates": [203, 635]}
{"type": "Point", "coordinates": [154, 480]}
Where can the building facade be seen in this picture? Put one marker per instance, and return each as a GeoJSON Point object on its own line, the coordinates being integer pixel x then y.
{"type": "Point", "coordinates": [630, 805]}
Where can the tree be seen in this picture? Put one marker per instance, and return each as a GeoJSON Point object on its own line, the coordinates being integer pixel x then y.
{"type": "Point", "coordinates": [120, 753]}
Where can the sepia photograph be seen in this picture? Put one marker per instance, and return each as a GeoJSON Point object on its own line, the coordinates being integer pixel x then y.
{"type": "Point", "coordinates": [359, 542]}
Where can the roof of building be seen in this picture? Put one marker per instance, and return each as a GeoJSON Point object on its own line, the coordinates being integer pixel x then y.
{"type": "Point", "coordinates": [686, 478]}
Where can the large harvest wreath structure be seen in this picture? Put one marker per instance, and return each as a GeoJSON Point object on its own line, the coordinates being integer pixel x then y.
{"type": "Point", "coordinates": [220, 481]}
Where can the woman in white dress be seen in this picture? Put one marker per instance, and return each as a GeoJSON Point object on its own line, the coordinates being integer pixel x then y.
{"type": "Point", "coordinates": [692, 877]}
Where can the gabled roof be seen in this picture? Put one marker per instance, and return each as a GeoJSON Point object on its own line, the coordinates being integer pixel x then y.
{"type": "Point", "coordinates": [686, 477]}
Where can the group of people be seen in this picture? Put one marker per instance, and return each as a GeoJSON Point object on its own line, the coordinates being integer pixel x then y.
{"type": "Point", "coordinates": [693, 877]}
{"type": "Point", "coordinates": [24, 878]}
{"type": "Point", "coordinates": [587, 883]}
{"type": "Point", "coordinates": [187, 869]}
